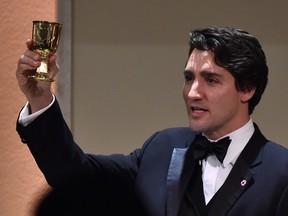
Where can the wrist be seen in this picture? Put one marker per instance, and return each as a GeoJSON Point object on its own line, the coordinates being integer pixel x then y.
{"type": "Point", "coordinates": [38, 103]}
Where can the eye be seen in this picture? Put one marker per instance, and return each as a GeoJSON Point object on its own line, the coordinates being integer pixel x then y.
{"type": "Point", "coordinates": [211, 80]}
{"type": "Point", "coordinates": [188, 77]}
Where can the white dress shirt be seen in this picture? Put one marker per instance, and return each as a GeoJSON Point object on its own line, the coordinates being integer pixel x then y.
{"type": "Point", "coordinates": [214, 173]}
{"type": "Point", "coordinates": [25, 118]}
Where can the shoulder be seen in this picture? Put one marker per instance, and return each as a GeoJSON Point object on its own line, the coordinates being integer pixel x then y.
{"type": "Point", "coordinates": [274, 166]}
{"type": "Point", "coordinates": [274, 158]}
{"type": "Point", "coordinates": [177, 137]}
{"type": "Point", "coordinates": [272, 152]}
{"type": "Point", "coordinates": [275, 151]}
{"type": "Point", "coordinates": [178, 133]}
{"type": "Point", "coordinates": [159, 147]}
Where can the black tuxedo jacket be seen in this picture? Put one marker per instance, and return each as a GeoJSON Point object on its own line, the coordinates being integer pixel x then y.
{"type": "Point", "coordinates": [152, 180]}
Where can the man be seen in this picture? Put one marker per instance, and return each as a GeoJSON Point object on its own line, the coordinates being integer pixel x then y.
{"type": "Point", "coordinates": [177, 171]}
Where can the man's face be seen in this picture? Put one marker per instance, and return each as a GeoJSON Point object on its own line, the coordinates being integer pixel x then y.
{"type": "Point", "coordinates": [213, 104]}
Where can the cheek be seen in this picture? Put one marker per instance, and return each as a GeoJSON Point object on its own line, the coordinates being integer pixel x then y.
{"type": "Point", "coordinates": [185, 94]}
{"type": "Point", "coordinates": [225, 104]}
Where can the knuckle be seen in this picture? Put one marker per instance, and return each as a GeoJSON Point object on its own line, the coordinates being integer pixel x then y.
{"type": "Point", "coordinates": [21, 58]}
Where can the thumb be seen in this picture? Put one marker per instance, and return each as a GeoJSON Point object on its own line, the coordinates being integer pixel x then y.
{"type": "Point", "coordinates": [53, 66]}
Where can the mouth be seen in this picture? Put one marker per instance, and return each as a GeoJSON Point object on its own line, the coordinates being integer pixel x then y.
{"type": "Point", "coordinates": [198, 109]}
{"type": "Point", "coordinates": [197, 112]}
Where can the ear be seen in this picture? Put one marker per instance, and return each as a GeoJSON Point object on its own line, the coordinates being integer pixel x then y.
{"type": "Point", "coordinates": [247, 95]}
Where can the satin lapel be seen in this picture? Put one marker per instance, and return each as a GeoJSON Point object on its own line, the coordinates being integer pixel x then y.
{"type": "Point", "coordinates": [180, 170]}
{"type": "Point", "coordinates": [173, 179]}
{"type": "Point", "coordinates": [240, 178]}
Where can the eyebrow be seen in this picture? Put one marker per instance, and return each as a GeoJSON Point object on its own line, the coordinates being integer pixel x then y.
{"type": "Point", "coordinates": [204, 73]}
{"type": "Point", "coordinates": [210, 73]}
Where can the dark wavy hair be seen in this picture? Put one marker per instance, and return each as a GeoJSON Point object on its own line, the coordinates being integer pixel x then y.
{"type": "Point", "coordinates": [238, 52]}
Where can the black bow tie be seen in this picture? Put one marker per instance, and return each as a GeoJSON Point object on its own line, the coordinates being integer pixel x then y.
{"type": "Point", "coordinates": [203, 147]}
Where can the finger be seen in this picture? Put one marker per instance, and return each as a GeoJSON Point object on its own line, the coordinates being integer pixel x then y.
{"type": "Point", "coordinates": [29, 44]}
{"type": "Point", "coordinates": [29, 60]}
{"type": "Point", "coordinates": [53, 58]}
{"type": "Point", "coordinates": [26, 67]}
{"type": "Point", "coordinates": [32, 55]}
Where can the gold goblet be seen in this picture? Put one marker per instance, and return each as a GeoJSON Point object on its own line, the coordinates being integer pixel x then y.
{"type": "Point", "coordinates": [45, 41]}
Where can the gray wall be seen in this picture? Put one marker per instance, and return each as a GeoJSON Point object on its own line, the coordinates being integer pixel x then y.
{"type": "Point", "coordinates": [128, 58]}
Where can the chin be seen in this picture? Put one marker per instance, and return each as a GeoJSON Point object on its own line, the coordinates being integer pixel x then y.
{"type": "Point", "coordinates": [196, 128]}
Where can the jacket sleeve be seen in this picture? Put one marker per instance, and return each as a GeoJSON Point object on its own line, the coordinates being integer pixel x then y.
{"type": "Point", "coordinates": [62, 161]}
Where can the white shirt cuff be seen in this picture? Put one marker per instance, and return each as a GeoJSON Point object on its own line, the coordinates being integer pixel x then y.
{"type": "Point", "coordinates": [25, 118]}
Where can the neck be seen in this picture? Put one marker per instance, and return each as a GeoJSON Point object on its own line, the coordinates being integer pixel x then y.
{"type": "Point", "coordinates": [216, 135]}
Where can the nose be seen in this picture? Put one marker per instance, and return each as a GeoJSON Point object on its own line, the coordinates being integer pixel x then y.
{"type": "Point", "coordinates": [194, 91]}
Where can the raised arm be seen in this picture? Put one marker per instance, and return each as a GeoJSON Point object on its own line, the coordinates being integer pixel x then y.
{"type": "Point", "coordinates": [50, 140]}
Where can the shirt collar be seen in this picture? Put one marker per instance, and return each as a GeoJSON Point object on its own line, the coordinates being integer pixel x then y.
{"type": "Point", "coordinates": [239, 140]}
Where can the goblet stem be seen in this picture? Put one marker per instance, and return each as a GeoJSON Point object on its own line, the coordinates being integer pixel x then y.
{"type": "Point", "coordinates": [43, 68]}
{"type": "Point", "coordinates": [42, 71]}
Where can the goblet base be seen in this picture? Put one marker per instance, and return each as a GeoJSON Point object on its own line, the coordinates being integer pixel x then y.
{"type": "Point", "coordinates": [40, 77]}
